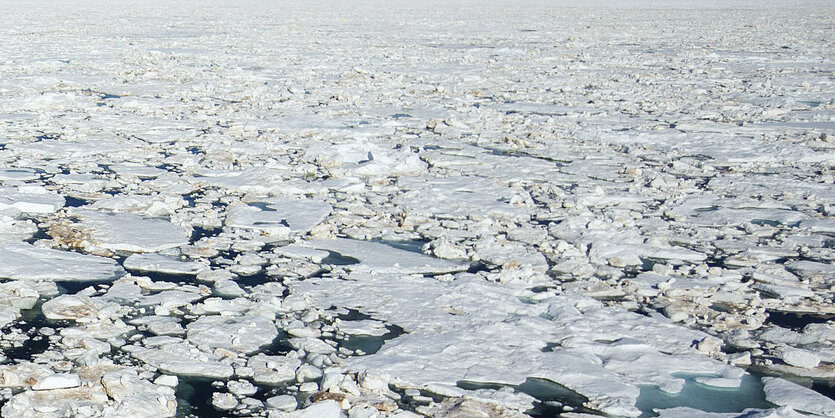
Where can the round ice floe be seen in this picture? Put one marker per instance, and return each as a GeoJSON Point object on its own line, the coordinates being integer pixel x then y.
{"type": "Point", "coordinates": [245, 334]}
{"type": "Point", "coordinates": [282, 402]}
{"type": "Point", "coordinates": [71, 307]}
{"type": "Point", "coordinates": [224, 401]}
{"type": "Point", "coordinates": [273, 370]}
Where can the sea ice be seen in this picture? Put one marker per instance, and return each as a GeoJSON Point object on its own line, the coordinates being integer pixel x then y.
{"type": "Point", "coordinates": [23, 261]}
{"type": "Point", "coordinates": [514, 208]}
{"type": "Point", "coordinates": [127, 232]}
{"type": "Point", "coordinates": [378, 257]}
{"type": "Point", "coordinates": [242, 334]}
{"type": "Point", "coordinates": [782, 392]}
{"type": "Point", "coordinates": [145, 263]}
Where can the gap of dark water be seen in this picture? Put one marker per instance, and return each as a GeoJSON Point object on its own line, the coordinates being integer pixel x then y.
{"type": "Point", "coordinates": [194, 398]}
{"type": "Point", "coordinates": [353, 315]}
{"type": "Point", "coordinates": [336, 259]}
{"type": "Point", "coordinates": [39, 235]}
{"type": "Point", "coordinates": [74, 202]}
{"type": "Point", "coordinates": [254, 280]}
{"type": "Point", "coordinates": [824, 388]}
{"type": "Point", "coordinates": [71, 288]}
{"type": "Point", "coordinates": [280, 345]}
{"type": "Point", "coordinates": [370, 344]}
{"type": "Point", "coordinates": [198, 233]}
{"type": "Point", "coordinates": [35, 344]}
{"type": "Point", "coordinates": [30, 322]}
{"type": "Point", "coordinates": [191, 198]}
{"type": "Point", "coordinates": [48, 136]}
{"type": "Point", "coordinates": [261, 205]}
{"type": "Point", "coordinates": [795, 320]}
{"type": "Point", "coordinates": [168, 167]}
{"type": "Point", "coordinates": [477, 268]}
{"type": "Point", "coordinates": [156, 276]}
{"type": "Point", "coordinates": [194, 150]}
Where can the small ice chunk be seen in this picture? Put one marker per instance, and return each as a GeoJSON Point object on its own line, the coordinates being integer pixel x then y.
{"type": "Point", "coordinates": [72, 307]}
{"type": "Point", "coordinates": [7, 316]}
{"type": "Point", "coordinates": [167, 380]}
{"type": "Point", "coordinates": [282, 402]}
{"type": "Point", "coordinates": [273, 370]}
{"type": "Point", "coordinates": [799, 358]}
{"type": "Point", "coordinates": [241, 334]}
{"type": "Point", "coordinates": [227, 289]}
{"type": "Point", "coordinates": [58, 381]}
{"type": "Point", "coordinates": [242, 388]}
{"type": "Point", "coordinates": [172, 356]}
{"type": "Point", "coordinates": [268, 223]}
{"type": "Point", "coordinates": [324, 409]}
{"type": "Point", "coordinates": [364, 327]}
{"type": "Point", "coordinates": [224, 401]}
{"type": "Point", "coordinates": [18, 174]}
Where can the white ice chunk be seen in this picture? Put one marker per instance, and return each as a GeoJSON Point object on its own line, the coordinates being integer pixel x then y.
{"type": "Point", "coordinates": [18, 174]}
{"type": "Point", "coordinates": [381, 258]}
{"type": "Point", "coordinates": [273, 370]}
{"type": "Point", "coordinates": [323, 409]}
{"type": "Point", "coordinates": [129, 232]}
{"type": "Point", "coordinates": [57, 381]}
{"type": "Point", "coordinates": [476, 331]}
{"type": "Point", "coordinates": [29, 201]}
{"type": "Point", "coordinates": [707, 211]}
{"type": "Point", "coordinates": [300, 215]}
{"type": "Point", "coordinates": [26, 262]}
{"type": "Point", "coordinates": [268, 223]}
{"type": "Point", "coordinates": [72, 307]}
{"type": "Point", "coordinates": [76, 149]}
{"type": "Point", "coordinates": [458, 197]}
{"type": "Point", "coordinates": [182, 359]}
{"type": "Point", "coordinates": [157, 263]}
{"type": "Point", "coordinates": [242, 334]}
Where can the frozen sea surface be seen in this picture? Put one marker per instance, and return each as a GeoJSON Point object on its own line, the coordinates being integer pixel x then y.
{"type": "Point", "coordinates": [400, 209]}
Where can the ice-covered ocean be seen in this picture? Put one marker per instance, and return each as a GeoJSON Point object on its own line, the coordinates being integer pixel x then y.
{"type": "Point", "coordinates": [398, 209]}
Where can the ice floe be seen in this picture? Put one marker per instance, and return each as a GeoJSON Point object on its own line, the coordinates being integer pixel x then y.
{"type": "Point", "coordinates": [514, 209]}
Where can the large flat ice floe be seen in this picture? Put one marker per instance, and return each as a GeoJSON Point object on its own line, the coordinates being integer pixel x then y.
{"type": "Point", "coordinates": [476, 332]}
{"type": "Point", "coordinates": [23, 261]}
{"type": "Point", "coordinates": [124, 231]}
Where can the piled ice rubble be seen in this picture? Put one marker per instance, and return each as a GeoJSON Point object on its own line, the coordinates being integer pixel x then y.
{"type": "Point", "coordinates": [398, 211]}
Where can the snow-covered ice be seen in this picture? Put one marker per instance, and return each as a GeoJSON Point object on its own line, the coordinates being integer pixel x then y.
{"type": "Point", "coordinates": [359, 209]}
